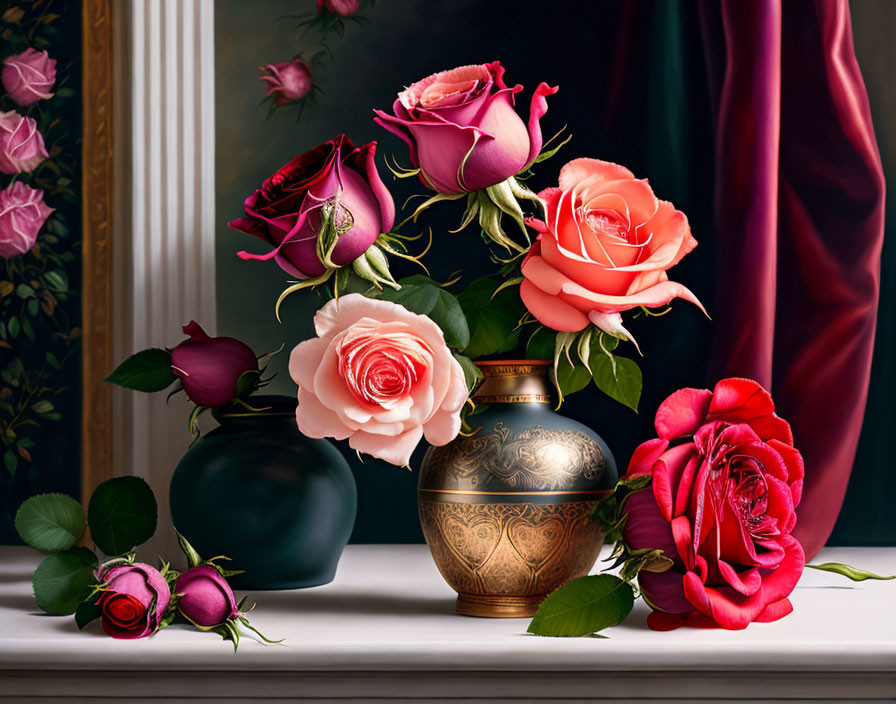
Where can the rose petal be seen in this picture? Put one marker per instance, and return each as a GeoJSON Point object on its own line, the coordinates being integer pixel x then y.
{"type": "Point", "coordinates": [395, 449]}
{"type": "Point", "coordinates": [682, 413]}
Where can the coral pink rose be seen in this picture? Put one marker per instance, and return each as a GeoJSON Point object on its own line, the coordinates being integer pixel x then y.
{"type": "Point", "coordinates": [22, 214]}
{"type": "Point", "coordinates": [29, 76]}
{"type": "Point", "coordinates": [462, 129]}
{"type": "Point", "coordinates": [725, 483]}
{"type": "Point", "coordinates": [288, 81]}
{"type": "Point", "coordinates": [338, 7]}
{"type": "Point", "coordinates": [605, 248]}
{"type": "Point", "coordinates": [21, 145]}
{"type": "Point", "coordinates": [378, 375]}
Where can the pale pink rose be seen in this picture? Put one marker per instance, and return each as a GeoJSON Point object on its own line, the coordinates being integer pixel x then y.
{"type": "Point", "coordinates": [22, 214]}
{"type": "Point", "coordinates": [604, 248]}
{"type": "Point", "coordinates": [288, 81]}
{"type": "Point", "coordinates": [378, 375]}
{"type": "Point", "coordinates": [338, 7]}
{"type": "Point", "coordinates": [21, 145]}
{"type": "Point", "coordinates": [29, 76]}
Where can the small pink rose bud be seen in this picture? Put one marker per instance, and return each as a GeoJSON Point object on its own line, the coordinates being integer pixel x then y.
{"type": "Point", "coordinates": [134, 601]}
{"type": "Point", "coordinates": [288, 81]}
{"type": "Point", "coordinates": [29, 76]}
{"type": "Point", "coordinates": [22, 214]}
{"type": "Point", "coordinates": [21, 145]}
{"type": "Point", "coordinates": [338, 7]}
{"type": "Point", "coordinates": [210, 367]}
{"type": "Point", "coordinates": [206, 598]}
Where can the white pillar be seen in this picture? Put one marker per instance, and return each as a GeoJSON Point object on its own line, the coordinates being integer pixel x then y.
{"type": "Point", "coordinates": [165, 240]}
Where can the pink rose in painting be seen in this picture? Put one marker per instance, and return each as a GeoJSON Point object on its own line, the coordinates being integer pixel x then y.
{"type": "Point", "coordinates": [462, 129]}
{"type": "Point", "coordinates": [134, 601]}
{"type": "Point", "coordinates": [378, 375]}
{"type": "Point", "coordinates": [210, 367]}
{"type": "Point", "coordinates": [338, 7]}
{"type": "Point", "coordinates": [335, 180]}
{"type": "Point", "coordinates": [604, 249]}
{"type": "Point", "coordinates": [288, 81]}
{"type": "Point", "coordinates": [29, 76]}
{"type": "Point", "coordinates": [21, 145]}
{"type": "Point", "coordinates": [725, 484]}
{"type": "Point", "coordinates": [22, 214]}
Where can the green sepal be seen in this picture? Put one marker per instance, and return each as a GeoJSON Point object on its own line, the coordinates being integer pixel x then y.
{"type": "Point", "coordinates": [853, 573]}
{"type": "Point", "coordinates": [193, 558]}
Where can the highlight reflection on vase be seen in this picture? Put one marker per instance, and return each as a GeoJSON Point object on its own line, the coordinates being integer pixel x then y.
{"type": "Point", "coordinates": [507, 511]}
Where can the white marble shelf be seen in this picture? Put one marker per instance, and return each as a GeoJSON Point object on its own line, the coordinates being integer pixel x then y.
{"type": "Point", "coordinates": [386, 628]}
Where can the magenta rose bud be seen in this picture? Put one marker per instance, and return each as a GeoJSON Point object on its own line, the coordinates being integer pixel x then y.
{"type": "Point", "coordinates": [462, 128]}
{"type": "Point", "coordinates": [206, 598]}
{"type": "Point", "coordinates": [288, 81]}
{"type": "Point", "coordinates": [338, 7]}
{"type": "Point", "coordinates": [21, 145]}
{"type": "Point", "coordinates": [22, 214]}
{"type": "Point", "coordinates": [29, 76]}
{"type": "Point", "coordinates": [334, 187]}
{"type": "Point", "coordinates": [210, 367]}
{"type": "Point", "coordinates": [134, 601]}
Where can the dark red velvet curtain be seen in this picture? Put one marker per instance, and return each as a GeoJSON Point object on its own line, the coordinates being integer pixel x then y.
{"type": "Point", "coordinates": [799, 220]}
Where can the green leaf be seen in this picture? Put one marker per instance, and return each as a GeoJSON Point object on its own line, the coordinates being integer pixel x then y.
{"type": "Point", "coordinates": [624, 385]}
{"type": "Point", "coordinates": [472, 373]}
{"type": "Point", "coordinates": [122, 514]}
{"type": "Point", "coordinates": [492, 320]}
{"type": "Point", "coordinates": [42, 407]}
{"type": "Point", "coordinates": [50, 522]}
{"type": "Point", "coordinates": [56, 280]}
{"type": "Point", "coordinates": [449, 316]}
{"type": "Point", "coordinates": [24, 291]}
{"type": "Point", "coordinates": [582, 606]}
{"type": "Point", "coordinates": [10, 461]}
{"type": "Point", "coordinates": [63, 580]}
{"type": "Point", "coordinates": [86, 612]}
{"type": "Point", "coordinates": [541, 344]}
{"type": "Point", "coordinates": [571, 378]}
{"type": "Point", "coordinates": [149, 370]}
{"type": "Point", "coordinates": [419, 299]}
{"type": "Point", "coordinates": [853, 573]}
{"type": "Point", "coordinates": [14, 326]}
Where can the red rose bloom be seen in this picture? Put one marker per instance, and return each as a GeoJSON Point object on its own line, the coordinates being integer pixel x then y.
{"type": "Point", "coordinates": [726, 481]}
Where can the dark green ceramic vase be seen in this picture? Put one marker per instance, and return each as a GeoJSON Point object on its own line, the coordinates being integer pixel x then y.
{"type": "Point", "coordinates": [279, 504]}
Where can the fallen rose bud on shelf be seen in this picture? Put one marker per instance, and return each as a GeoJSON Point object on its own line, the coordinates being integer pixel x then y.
{"type": "Point", "coordinates": [133, 599]}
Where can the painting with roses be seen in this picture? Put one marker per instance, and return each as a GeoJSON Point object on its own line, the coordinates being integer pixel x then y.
{"type": "Point", "coordinates": [603, 324]}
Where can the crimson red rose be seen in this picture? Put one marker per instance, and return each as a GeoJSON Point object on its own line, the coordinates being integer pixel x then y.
{"type": "Point", "coordinates": [134, 600]}
{"type": "Point", "coordinates": [725, 483]}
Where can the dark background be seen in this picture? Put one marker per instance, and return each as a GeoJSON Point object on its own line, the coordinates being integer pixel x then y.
{"type": "Point", "coordinates": [650, 113]}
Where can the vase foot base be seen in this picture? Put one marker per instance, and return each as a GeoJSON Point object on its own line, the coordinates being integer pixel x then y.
{"type": "Point", "coordinates": [498, 606]}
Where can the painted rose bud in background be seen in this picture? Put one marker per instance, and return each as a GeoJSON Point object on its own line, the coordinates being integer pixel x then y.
{"type": "Point", "coordinates": [463, 130]}
{"type": "Point", "coordinates": [322, 210]}
{"type": "Point", "coordinates": [338, 7]}
{"type": "Point", "coordinates": [21, 144]}
{"type": "Point", "coordinates": [725, 484]}
{"type": "Point", "coordinates": [378, 375]}
{"type": "Point", "coordinates": [206, 598]}
{"type": "Point", "coordinates": [210, 367]}
{"type": "Point", "coordinates": [29, 76]}
{"type": "Point", "coordinates": [288, 81]}
{"type": "Point", "coordinates": [22, 214]}
{"type": "Point", "coordinates": [134, 600]}
{"type": "Point", "coordinates": [604, 248]}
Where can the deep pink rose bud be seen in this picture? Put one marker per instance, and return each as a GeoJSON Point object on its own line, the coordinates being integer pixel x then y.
{"type": "Point", "coordinates": [21, 145]}
{"type": "Point", "coordinates": [29, 76]}
{"type": "Point", "coordinates": [206, 598]}
{"type": "Point", "coordinates": [334, 188]}
{"type": "Point", "coordinates": [210, 367]}
{"type": "Point", "coordinates": [288, 81]}
{"type": "Point", "coordinates": [22, 214]}
{"type": "Point", "coordinates": [463, 130]}
{"type": "Point", "coordinates": [338, 7]}
{"type": "Point", "coordinates": [134, 601]}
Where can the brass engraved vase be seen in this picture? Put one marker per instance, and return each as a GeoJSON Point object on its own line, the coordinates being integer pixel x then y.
{"type": "Point", "coordinates": [506, 511]}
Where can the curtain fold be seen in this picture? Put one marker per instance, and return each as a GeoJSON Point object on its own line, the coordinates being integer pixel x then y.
{"type": "Point", "coordinates": [799, 195]}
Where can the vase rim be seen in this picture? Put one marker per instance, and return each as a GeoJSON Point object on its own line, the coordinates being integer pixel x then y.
{"type": "Point", "coordinates": [496, 362]}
